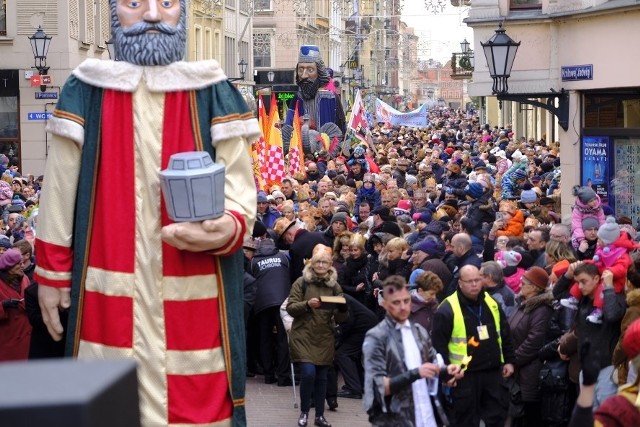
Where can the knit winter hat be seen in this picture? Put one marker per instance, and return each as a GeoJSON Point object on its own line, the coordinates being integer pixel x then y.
{"type": "Point", "coordinates": [6, 193]}
{"type": "Point", "coordinates": [520, 174]}
{"type": "Point", "coordinates": [428, 246]}
{"type": "Point", "coordinates": [537, 276]}
{"type": "Point", "coordinates": [631, 340]}
{"type": "Point", "coordinates": [609, 232]}
{"type": "Point", "coordinates": [423, 217]}
{"type": "Point", "coordinates": [414, 276]}
{"type": "Point", "coordinates": [5, 242]}
{"type": "Point", "coordinates": [511, 258]}
{"type": "Point", "coordinates": [340, 217]}
{"type": "Point", "coordinates": [586, 194]}
{"type": "Point", "coordinates": [10, 259]}
{"type": "Point", "coordinates": [590, 222]}
{"type": "Point", "coordinates": [474, 189]}
{"type": "Point", "coordinates": [528, 196]}
{"type": "Point", "coordinates": [262, 197]}
{"type": "Point", "coordinates": [617, 411]}
{"type": "Point", "coordinates": [405, 205]}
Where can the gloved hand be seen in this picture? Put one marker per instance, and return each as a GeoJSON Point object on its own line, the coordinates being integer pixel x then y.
{"type": "Point", "coordinates": [590, 359]}
{"type": "Point", "coordinates": [10, 303]}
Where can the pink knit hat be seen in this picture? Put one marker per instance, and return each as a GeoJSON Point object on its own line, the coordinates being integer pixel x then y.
{"type": "Point", "coordinates": [6, 193]}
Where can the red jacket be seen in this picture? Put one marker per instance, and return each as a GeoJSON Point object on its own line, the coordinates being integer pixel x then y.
{"type": "Point", "coordinates": [15, 328]}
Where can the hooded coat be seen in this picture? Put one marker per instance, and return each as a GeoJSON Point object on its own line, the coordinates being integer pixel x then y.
{"type": "Point", "coordinates": [579, 212]}
{"type": "Point", "coordinates": [620, 358]}
{"type": "Point", "coordinates": [528, 330]}
{"type": "Point", "coordinates": [312, 339]}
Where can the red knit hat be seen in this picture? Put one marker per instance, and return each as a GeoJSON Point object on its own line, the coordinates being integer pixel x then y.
{"type": "Point", "coordinates": [631, 340]}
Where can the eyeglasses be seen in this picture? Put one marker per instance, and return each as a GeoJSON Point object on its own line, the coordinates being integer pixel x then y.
{"type": "Point", "coordinates": [471, 281]}
{"type": "Point", "coordinates": [321, 262]}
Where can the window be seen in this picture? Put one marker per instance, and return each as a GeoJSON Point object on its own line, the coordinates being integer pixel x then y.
{"type": "Point", "coordinates": [262, 49]}
{"type": "Point", "coordinates": [230, 3]}
{"type": "Point", "coordinates": [3, 18]}
{"type": "Point", "coordinates": [263, 5]}
{"type": "Point", "coordinates": [526, 4]}
{"type": "Point", "coordinates": [9, 114]}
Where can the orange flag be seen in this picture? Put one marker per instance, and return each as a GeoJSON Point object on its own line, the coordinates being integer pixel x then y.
{"type": "Point", "coordinates": [295, 146]}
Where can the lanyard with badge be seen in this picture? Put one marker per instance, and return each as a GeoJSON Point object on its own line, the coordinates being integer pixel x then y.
{"type": "Point", "coordinates": [483, 332]}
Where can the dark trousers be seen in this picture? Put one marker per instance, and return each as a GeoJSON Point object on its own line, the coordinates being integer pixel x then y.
{"type": "Point", "coordinates": [273, 344]}
{"type": "Point", "coordinates": [313, 379]}
{"type": "Point", "coordinates": [480, 396]}
{"type": "Point", "coordinates": [348, 360]}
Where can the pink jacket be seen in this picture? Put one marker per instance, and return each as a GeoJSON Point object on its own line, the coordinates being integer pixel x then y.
{"type": "Point", "coordinates": [579, 212]}
{"type": "Point", "coordinates": [513, 281]}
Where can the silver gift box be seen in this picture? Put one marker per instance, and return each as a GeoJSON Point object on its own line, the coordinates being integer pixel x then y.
{"type": "Point", "coordinates": [193, 187]}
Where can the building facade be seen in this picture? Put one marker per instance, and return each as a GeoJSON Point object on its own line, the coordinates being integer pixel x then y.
{"type": "Point", "coordinates": [577, 46]}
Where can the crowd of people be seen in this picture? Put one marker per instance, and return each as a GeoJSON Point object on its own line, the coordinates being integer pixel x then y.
{"type": "Point", "coordinates": [450, 234]}
{"type": "Point", "coordinates": [466, 218]}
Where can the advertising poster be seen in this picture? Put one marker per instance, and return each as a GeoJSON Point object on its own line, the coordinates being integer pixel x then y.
{"type": "Point", "coordinates": [595, 165]}
{"type": "Point", "coordinates": [625, 185]}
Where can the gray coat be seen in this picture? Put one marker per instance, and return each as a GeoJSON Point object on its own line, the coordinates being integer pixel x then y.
{"type": "Point", "coordinates": [384, 357]}
{"type": "Point", "coordinates": [312, 331]}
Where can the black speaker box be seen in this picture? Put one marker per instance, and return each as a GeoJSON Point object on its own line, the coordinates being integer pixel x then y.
{"type": "Point", "coordinates": [69, 393]}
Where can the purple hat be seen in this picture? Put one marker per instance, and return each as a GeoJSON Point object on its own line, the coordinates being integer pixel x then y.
{"type": "Point", "coordinates": [10, 259]}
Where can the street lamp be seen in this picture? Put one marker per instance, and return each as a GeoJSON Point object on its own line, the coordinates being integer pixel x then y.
{"type": "Point", "coordinates": [464, 46]}
{"type": "Point", "coordinates": [500, 52]}
{"type": "Point", "coordinates": [242, 66]}
{"type": "Point", "coordinates": [40, 42]}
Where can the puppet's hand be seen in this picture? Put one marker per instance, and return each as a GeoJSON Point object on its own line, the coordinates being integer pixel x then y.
{"type": "Point", "coordinates": [201, 236]}
{"type": "Point", "coordinates": [51, 300]}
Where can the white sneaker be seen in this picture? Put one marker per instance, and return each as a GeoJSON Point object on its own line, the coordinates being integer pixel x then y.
{"type": "Point", "coordinates": [595, 316]}
{"type": "Point", "coordinates": [570, 302]}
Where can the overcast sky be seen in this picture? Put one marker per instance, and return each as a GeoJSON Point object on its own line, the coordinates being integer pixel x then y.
{"type": "Point", "coordinates": [440, 34]}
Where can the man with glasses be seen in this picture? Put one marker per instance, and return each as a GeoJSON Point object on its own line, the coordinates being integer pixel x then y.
{"type": "Point", "coordinates": [471, 330]}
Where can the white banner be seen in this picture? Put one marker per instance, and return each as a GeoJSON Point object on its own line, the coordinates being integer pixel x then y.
{"type": "Point", "coordinates": [389, 115]}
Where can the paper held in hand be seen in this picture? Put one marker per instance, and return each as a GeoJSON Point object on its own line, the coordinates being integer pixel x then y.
{"type": "Point", "coordinates": [330, 301]}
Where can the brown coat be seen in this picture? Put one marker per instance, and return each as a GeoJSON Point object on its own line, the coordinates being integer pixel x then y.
{"type": "Point", "coordinates": [619, 358]}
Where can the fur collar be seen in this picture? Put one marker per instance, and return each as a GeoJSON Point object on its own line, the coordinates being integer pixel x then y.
{"type": "Point", "coordinates": [545, 298]}
{"type": "Point", "coordinates": [126, 77]}
{"type": "Point", "coordinates": [310, 276]}
{"type": "Point", "coordinates": [633, 297]}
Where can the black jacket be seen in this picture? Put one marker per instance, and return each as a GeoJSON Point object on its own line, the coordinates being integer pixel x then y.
{"type": "Point", "coordinates": [270, 268]}
{"type": "Point", "coordinates": [487, 355]}
{"type": "Point", "coordinates": [354, 273]}
{"type": "Point", "coordinates": [301, 249]}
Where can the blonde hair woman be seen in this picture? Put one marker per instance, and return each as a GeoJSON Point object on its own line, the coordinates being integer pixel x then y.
{"type": "Point", "coordinates": [312, 337]}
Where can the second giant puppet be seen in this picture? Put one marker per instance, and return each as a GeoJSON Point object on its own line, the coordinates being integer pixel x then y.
{"type": "Point", "coordinates": [324, 121]}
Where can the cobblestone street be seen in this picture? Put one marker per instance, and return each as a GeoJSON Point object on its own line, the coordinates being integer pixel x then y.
{"type": "Point", "coordinates": [271, 406]}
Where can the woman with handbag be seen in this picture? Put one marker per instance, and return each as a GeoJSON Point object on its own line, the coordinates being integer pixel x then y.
{"type": "Point", "coordinates": [311, 342]}
{"type": "Point", "coordinates": [528, 325]}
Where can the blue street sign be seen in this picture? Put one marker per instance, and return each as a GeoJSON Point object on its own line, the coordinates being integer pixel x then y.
{"type": "Point", "coordinates": [577, 72]}
{"type": "Point", "coordinates": [39, 116]}
{"type": "Point", "coordinates": [46, 95]}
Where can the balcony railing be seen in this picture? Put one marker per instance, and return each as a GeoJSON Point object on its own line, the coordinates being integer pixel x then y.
{"type": "Point", "coordinates": [462, 65]}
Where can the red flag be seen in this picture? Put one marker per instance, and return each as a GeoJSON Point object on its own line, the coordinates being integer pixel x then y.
{"type": "Point", "coordinates": [274, 153]}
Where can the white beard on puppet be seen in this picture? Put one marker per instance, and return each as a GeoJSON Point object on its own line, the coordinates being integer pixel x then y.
{"type": "Point", "coordinates": [136, 45]}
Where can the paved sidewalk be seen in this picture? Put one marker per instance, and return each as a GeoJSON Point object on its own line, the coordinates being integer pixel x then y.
{"type": "Point", "coordinates": [271, 406]}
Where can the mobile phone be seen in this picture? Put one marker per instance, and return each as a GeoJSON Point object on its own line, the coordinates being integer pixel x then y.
{"type": "Point", "coordinates": [499, 216]}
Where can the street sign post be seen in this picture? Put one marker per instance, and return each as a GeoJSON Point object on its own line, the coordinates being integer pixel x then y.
{"type": "Point", "coordinates": [46, 95]}
{"type": "Point", "coordinates": [39, 116]}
